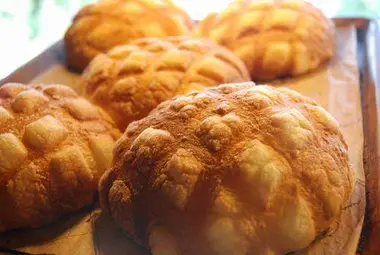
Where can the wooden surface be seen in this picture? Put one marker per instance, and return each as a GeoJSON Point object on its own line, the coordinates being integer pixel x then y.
{"type": "Point", "coordinates": [336, 87]}
{"type": "Point", "coordinates": [371, 126]}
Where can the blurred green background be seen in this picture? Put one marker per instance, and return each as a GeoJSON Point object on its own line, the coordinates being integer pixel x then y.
{"type": "Point", "coordinates": [27, 27]}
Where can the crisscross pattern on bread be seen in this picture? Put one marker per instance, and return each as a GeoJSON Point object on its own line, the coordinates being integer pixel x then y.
{"type": "Point", "coordinates": [236, 169]}
{"type": "Point", "coordinates": [100, 26]}
{"type": "Point", "coordinates": [274, 38]}
{"type": "Point", "coordinates": [54, 146]}
{"type": "Point", "coordinates": [130, 80]}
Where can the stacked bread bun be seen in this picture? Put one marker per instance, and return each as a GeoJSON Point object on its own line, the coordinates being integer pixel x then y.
{"type": "Point", "coordinates": [274, 38]}
{"type": "Point", "coordinates": [100, 26]}
{"type": "Point", "coordinates": [54, 146]}
{"type": "Point", "coordinates": [208, 163]}
{"type": "Point", "coordinates": [229, 170]}
{"type": "Point", "coordinates": [131, 80]}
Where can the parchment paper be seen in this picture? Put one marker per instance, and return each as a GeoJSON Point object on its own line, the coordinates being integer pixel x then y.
{"type": "Point", "coordinates": [334, 86]}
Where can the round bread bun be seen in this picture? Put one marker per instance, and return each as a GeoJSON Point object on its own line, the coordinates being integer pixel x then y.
{"type": "Point", "coordinates": [131, 80]}
{"type": "Point", "coordinates": [54, 146]}
{"type": "Point", "coordinates": [274, 38]}
{"type": "Point", "coordinates": [100, 26]}
{"type": "Point", "coordinates": [236, 169]}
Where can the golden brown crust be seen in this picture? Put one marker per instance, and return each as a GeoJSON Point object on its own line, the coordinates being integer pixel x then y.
{"type": "Point", "coordinates": [99, 27]}
{"type": "Point", "coordinates": [274, 38]}
{"type": "Point", "coordinates": [130, 80]}
{"type": "Point", "coordinates": [54, 146]}
{"type": "Point", "coordinates": [236, 169]}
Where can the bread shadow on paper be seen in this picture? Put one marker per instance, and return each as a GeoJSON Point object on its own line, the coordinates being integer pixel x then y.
{"type": "Point", "coordinates": [288, 80]}
{"type": "Point", "coordinates": [109, 239]}
{"type": "Point", "coordinates": [319, 71]}
{"type": "Point", "coordinates": [299, 78]}
{"type": "Point", "coordinates": [49, 233]}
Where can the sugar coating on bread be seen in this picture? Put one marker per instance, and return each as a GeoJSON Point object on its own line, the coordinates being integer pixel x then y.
{"type": "Point", "coordinates": [274, 38]}
{"type": "Point", "coordinates": [100, 26]}
{"type": "Point", "coordinates": [130, 80]}
{"type": "Point", "coordinates": [235, 169]}
{"type": "Point", "coordinates": [54, 146]}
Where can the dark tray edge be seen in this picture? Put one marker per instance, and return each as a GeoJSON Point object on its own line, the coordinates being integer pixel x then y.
{"type": "Point", "coordinates": [369, 59]}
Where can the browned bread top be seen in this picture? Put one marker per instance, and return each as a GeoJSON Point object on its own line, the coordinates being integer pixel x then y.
{"type": "Point", "coordinates": [236, 169]}
{"type": "Point", "coordinates": [100, 26]}
{"type": "Point", "coordinates": [130, 80]}
{"type": "Point", "coordinates": [54, 146]}
{"type": "Point", "coordinates": [274, 38]}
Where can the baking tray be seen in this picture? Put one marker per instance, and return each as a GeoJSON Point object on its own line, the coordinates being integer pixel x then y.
{"type": "Point", "coordinates": [368, 52]}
